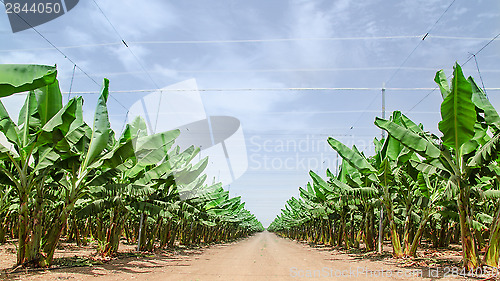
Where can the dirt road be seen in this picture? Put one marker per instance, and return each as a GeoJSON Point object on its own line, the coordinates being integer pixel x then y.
{"type": "Point", "coordinates": [268, 257]}
{"type": "Point", "coordinates": [261, 257]}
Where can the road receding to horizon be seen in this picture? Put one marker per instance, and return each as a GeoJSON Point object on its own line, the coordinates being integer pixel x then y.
{"type": "Point", "coordinates": [263, 256]}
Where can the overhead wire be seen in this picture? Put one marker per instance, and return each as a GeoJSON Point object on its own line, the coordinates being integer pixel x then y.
{"type": "Point", "coordinates": [427, 35]}
{"type": "Point", "coordinates": [62, 53]}
{"type": "Point", "coordinates": [281, 70]}
{"type": "Point", "coordinates": [482, 48]}
{"type": "Point", "coordinates": [166, 42]}
{"type": "Point", "coordinates": [419, 43]}
{"type": "Point", "coordinates": [54, 47]}
{"type": "Point", "coordinates": [364, 111]}
{"type": "Point", "coordinates": [463, 64]}
{"type": "Point", "coordinates": [260, 90]}
{"type": "Point", "coordinates": [71, 84]}
{"type": "Point", "coordinates": [137, 60]}
{"type": "Point", "coordinates": [480, 76]}
{"type": "Point", "coordinates": [401, 65]}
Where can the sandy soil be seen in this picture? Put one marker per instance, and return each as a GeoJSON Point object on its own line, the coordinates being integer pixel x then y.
{"type": "Point", "coordinates": [263, 256]}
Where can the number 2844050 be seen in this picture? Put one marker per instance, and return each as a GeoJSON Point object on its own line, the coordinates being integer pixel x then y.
{"type": "Point", "coordinates": [33, 8]}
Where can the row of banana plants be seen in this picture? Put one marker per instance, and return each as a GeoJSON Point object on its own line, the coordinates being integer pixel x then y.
{"type": "Point", "coordinates": [62, 178]}
{"type": "Point", "coordinates": [416, 186]}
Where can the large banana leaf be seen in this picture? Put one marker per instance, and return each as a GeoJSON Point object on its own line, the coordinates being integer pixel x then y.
{"type": "Point", "coordinates": [122, 151]}
{"type": "Point", "coordinates": [317, 180]}
{"type": "Point", "coordinates": [8, 127]}
{"type": "Point", "coordinates": [342, 187]}
{"type": "Point", "coordinates": [16, 78]}
{"type": "Point", "coordinates": [66, 127]}
{"type": "Point", "coordinates": [101, 128]}
{"type": "Point", "coordinates": [457, 112]}
{"type": "Point", "coordinates": [138, 127]}
{"type": "Point", "coordinates": [49, 101]}
{"type": "Point", "coordinates": [480, 137]}
{"type": "Point", "coordinates": [434, 168]}
{"type": "Point", "coordinates": [408, 138]}
{"type": "Point", "coordinates": [355, 159]}
{"type": "Point", "coordinates": [386, 173]}
{"type": "Point", "coordinates": [191, 173]}
{"type": "Point", "coordinates": [486, 153]}
{"type": "Point", "coordinates": [442, 82]}
{"type": "Point", "coordinates": [483, 104]}
{"type": "Point", "coordinates": [152, 149]}
{"type": "Point", "coordinates": [28, 119]}
{"type": "Point", "coordinates": [408, 123]}
{"type": "Point", "coordinates": [47, 157]}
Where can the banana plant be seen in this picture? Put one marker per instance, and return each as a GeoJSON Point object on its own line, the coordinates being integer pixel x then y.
{"type": "Point", "coordinates": [27, 156]}
{"type": "Point", "coordinates": [463, 148]}
{"type": "Point", "coordinates": [58, 167]}
{"type": "Point", "coordinates": [380, 173]}
{"type": "Point", "coordinates": [431, 192]}
{"type": "Point", "coordinates": [88, 146]}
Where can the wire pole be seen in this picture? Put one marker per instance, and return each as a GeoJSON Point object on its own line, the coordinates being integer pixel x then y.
{"type": "Point", "coordinates": [381, 221]}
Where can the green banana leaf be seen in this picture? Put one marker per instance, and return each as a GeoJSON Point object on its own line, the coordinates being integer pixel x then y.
{"type": "Point", "coordinates": [17, 78]}
{"type": "Point", "coordinates": [101, 128]}
{"type": "Point", "coordinates": [486, 153]}
{"type": "Point", "coordinates": [8, 127]}
{"type": "Point", "coordinates": [49, 100]}
{"type": "Point", "coordinates": [28, 119]}
{"type": "Point", "coordinates": [458, 113]}
{"type": "Point", "coordinates": [442, 82]}
{"type": "Point", "coordinates": [317, 180]}
{"type": "Point", "coordinates": [355, 159]}
{"type": "Point", "coordinates": [483, 104]}
{"type": "Point", "coordinates": [408, 138]}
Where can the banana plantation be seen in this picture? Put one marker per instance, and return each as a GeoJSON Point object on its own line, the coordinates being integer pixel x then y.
{"type": "Point", "coordinates": [417, 186]}
{"type": "Point", "coordinates": [64, 179]}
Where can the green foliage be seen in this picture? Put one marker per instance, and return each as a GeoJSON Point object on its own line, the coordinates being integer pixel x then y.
{"type": "Point", "coordinates": [421, 180]}
{"type": "Point", "coordinates": [457, 111]}
{"type": "Point", "coordinates": [55, 170]}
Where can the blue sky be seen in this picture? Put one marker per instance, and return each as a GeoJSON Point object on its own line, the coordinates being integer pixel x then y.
{"type": "Point", "coordinates": [270, 45]}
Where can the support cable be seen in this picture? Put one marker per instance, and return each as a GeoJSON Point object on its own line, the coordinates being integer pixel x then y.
{"type": "Point", "coordinates": [470, 57]}
{"type": "Point", "coordinates": [63, 54]}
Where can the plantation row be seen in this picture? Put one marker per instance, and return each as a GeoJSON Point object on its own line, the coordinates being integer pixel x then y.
{"type": "Point", "coordinates": [61, 178]}
{"type": "Point", "coordinates": [416, 186]}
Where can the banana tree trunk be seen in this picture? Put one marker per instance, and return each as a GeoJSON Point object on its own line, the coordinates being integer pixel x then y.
{"type": "Point", "coordinates": [55, 232]}
{"type": "Point", "coordinates": [368, 234]}
{"type": "Point", "coordinates": [3, 232]}
{"type": "Point", "coordinates": [469, 254]}
{"type": "Point", "coordinates": [443, 233]}
{"type": "Point", "coordinates": [345, 235]}
{"type": "Point", "coordinates": [165, 235]}
{"type": "Point", "coordinates": [34, 245]}
{"type": "Point", "coordinates": [143, 226]}
{"type": "Point", "coordinates": [396, 242]}
{"type": "Point", "coordinates": [407, 228]}
{"type": "Point", "coordinates": [113, 233]}
{"type": "Point", "coordinates": [340, 234]}
{"type": "Point", "coordinates": [381, 231]}
{"type": "Point", "coordinates": [23, 227]}
{"type": "Point", "coordinates": [418, 236]}
{"type": "Point", "coordinates": [173, 234]}
{"type": "Point", "coordinates": [492, 255]}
